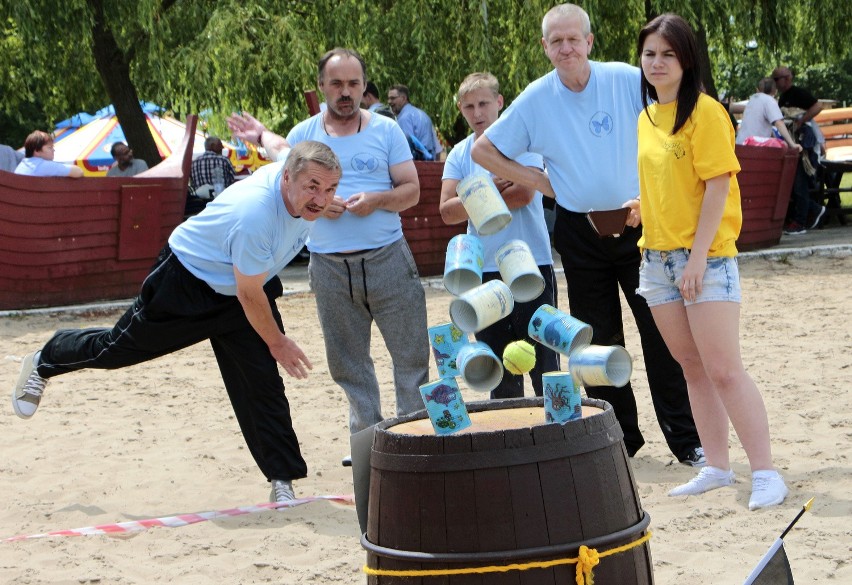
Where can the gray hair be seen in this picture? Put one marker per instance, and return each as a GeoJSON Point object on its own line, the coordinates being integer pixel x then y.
{"type": "Point", "coordinates": [311, 151]}
{"type": "Point", "coordinates": [567, 11]}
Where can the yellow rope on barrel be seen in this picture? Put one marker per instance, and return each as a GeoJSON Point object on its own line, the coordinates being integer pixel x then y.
{"type": "Point", "coordinates": [587, 559]}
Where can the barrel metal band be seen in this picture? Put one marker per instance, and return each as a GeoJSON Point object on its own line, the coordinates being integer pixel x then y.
{"type": "Point", "coordinates": [507, 456]}
{"type": "Point", "coordinates": [506, 555]}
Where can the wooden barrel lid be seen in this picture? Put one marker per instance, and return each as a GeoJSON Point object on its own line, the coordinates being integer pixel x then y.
{"type": "Point", "coordinates": [488, 421]}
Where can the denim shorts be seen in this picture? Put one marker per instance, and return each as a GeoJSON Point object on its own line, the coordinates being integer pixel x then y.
{"type": "Point", "coordinates": [660, 274]}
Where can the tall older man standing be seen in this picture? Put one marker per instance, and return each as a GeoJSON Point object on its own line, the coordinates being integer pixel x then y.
{"type": "Point", "coordinates": [361, 268]}
{"type": "Point", "coordinates": [582, 118]}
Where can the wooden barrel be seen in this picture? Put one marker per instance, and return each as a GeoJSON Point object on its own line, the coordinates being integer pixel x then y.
{"type": "Point", "coordinates": [509, 489]}
{"type": "Point", "coordinates": [766, 181]}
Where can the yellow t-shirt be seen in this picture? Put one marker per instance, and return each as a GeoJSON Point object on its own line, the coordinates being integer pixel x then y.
{"type": "Point", "coordinates": [672, 171]}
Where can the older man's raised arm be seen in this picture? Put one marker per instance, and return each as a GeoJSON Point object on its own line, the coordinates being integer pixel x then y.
{"type": "Point", "coordinates": [486, 154]}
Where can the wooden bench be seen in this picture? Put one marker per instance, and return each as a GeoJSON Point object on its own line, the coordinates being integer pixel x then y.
{"type": "Point", "coordinates": [836, 126]}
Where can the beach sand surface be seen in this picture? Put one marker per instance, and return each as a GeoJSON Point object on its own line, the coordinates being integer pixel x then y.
{"type": "Point", "coordinates": [160, 439]}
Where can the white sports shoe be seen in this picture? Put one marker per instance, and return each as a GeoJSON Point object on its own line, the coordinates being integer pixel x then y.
{"type": "Point", "coordinates": [709, 478]}
{"type": "Point", "coordinates": [282, 491]}
{"type": "Point", "coordinates": [767, 489]}
{"type": "Point", "coordinates": [29, 389]}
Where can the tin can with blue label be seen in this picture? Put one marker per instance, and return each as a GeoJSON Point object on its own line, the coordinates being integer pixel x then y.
{"type": "Point", "coordinates": [559, 331]}
{"type": "Point", "coordinates": [445, 406]}
{"type": "Point", "coordinates": [446, 340]}
{"type": "Point", "coordinates": [562, 400]}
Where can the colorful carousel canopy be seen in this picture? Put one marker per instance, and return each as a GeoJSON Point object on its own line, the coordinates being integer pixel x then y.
{"type": "Point", "coordinates": [88, 146]}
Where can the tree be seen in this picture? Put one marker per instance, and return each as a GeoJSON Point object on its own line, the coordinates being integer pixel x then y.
{"type": "Point", "coordinates": [65, 46]}
{"type": "Point", "coordinates": [746, 39]}
{"type": "Point", "coordinates": [194, 55]}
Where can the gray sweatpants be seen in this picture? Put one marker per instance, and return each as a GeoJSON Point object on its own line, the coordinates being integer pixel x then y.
{"type": "Point", "coordinates": [351, 291]}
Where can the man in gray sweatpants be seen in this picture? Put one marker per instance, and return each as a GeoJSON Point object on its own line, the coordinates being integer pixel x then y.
{"type": "Point", "coordinates": [361, 268]}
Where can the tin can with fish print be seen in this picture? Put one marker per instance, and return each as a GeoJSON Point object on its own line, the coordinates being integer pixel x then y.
{"type": "Point", "coordinates": [445, 406]}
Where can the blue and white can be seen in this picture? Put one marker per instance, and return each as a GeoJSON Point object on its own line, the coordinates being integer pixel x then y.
{"type": "Point", "coordinates": [445, 406]}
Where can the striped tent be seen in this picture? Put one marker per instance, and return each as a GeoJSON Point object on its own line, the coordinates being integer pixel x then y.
{"type": "Point", "coordinates": [88, 146]}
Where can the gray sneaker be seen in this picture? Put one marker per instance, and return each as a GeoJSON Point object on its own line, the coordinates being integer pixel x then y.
{"type": "Point", "coordinates": [282, 491]}
{"type": "Point", "coordinates": [29, 389]}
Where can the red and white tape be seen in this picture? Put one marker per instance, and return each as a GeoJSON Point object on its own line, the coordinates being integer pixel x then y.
{"type": "Point", "coordinates": [178, 521]}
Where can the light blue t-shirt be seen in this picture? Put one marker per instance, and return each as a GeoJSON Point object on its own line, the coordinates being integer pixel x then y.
{"type": "Point", "coordinates": [35, 166]}
{"type": "Point", "coordinates": [365, 158]}
{"type": "Point", "coordinates": [247, 226]}
{"type": "Point", "coordinates": [417, 123]}
{"type": "Point", "coordinates": [588, 139]}
{"type": "Point", "coordinates": [527, 222]}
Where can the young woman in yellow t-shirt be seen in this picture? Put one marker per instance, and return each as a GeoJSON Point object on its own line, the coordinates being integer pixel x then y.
{"type": "Point", "coordinates": [691, 217]}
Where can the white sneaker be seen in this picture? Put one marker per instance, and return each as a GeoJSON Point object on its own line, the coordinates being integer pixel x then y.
{"type": "Point", "coordinates": [767, 489]}
{"type": "Point", "coordinates": [282, 491]}
{"type": "Point", "coordinates": [30, 387]}
{"type": "Point", "coordinates": [709, 478]}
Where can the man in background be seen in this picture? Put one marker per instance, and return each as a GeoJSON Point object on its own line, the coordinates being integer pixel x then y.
{"type": "Point", "coordinates": [414, 121]}
{"type": "Point", "coordinates": [38, 159]}
{"type": "Point", "coordinates": [793, 96]}
{"type": "Point", "coordinates": [212, 167]}
{"type": "Point", "coordinates": [804, 213]}
{"type": "Point", "coordinates": [125, 165]}
{"type": "Point", "coordinates": [373, 103]}
{"type": "Point", "coordinates": [9, 158]}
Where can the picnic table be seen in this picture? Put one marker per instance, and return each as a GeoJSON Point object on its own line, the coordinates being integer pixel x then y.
{"type": "Point", "coordinates": [836, 126]}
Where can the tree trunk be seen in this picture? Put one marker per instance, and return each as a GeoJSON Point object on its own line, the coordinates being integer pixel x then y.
{"type": "Point", "coordinates": [114, 69]}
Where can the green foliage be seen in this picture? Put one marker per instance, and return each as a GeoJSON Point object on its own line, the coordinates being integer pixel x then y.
{"type": "Point", "coordinates": [260, 56]}
{"type": "Point", "coordinates": [246, 57]}
{"type": "Point", "coordinates": [828, 80]}
{"type": "Point", "coordinates": [810, 36]}
{"type": "Point", "coordinates": [51, 58]}
{"type": "Point", "coordinates": [430, 46]}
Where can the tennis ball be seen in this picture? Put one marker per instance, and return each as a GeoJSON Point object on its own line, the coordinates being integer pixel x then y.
{"type": "Point", "coordinates": [519, 357]}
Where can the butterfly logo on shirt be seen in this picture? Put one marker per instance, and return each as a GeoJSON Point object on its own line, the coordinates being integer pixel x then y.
{"type": "Point", "coordinates": [364, 163]}
{"type": "Point", "coordinates": [675, 148]}
{"type": "Point", "coordinates": [299, 243]}
{"type": "Point", "coordinates": [601, 124]}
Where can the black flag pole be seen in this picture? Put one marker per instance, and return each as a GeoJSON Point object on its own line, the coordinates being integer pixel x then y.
{"type": "Point", "coordinates": [804, 509]}
{"type": "Point", "coordinates": [774, 567]}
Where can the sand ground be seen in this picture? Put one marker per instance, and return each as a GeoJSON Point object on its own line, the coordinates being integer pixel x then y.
{"type": "Point", "coordinates": [160, 439]}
